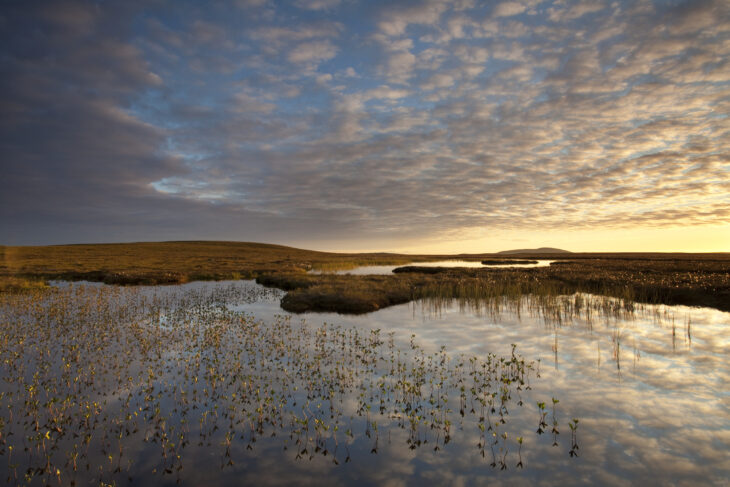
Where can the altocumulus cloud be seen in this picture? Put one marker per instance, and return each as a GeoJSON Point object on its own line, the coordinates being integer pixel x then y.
{"type": "Point", "coordinates": [322, 119]}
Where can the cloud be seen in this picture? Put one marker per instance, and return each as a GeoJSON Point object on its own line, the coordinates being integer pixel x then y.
{"type": "Point", "coordinates": [396, 19]}
{"type": "Point", "coordinates": [317, 4]}
{"type": "Point", "coordinates": [316, 52]}
{"type": "Point", "coordinates": [74, 17]}
{"type": "Point", "coordinates": [247, 103]}
{"type": "Point", "coordinates": [438, 80]}
{"type": "Point", "coordinates": [251, 3]}
{"type": "Point", "coordinates": [278, 34]}
{"type": "Point", "coordinates": [415, 119]}
{"type": "Point", "coordinates": [508, 9]}
{"type": "Point", "coordinates": [575, 11]}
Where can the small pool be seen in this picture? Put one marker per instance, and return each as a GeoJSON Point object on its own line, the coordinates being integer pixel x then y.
{"type": "Point", "coordinates": [388, 269]}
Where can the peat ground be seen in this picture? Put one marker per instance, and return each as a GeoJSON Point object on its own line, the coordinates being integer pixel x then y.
{"type": "Point", "coordinates": [667, 278]}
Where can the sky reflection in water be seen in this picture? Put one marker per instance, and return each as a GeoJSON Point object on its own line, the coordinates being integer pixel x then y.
{"type": "Point", "coordinates": [388, 269]}
{"type": "Point", "coordinates": [651, 394]}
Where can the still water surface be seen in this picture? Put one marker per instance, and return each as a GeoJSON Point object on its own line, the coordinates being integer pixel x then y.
{"type": "Point", "coordinates": [652, 393]}
{"type": "Point", "coordinates": [650, 389]}
{"type": "Point", "coordinates": [388, 269]}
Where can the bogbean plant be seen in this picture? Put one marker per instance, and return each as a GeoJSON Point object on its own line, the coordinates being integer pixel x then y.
{"type": "Point", "coordinates": [94, 379]}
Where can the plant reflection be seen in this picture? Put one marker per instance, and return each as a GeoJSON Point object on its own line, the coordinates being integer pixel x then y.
{"type": "Point", "coordinates": [110, 385]}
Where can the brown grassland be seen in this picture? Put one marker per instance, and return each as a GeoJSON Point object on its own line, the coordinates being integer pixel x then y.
{"type": "Point", "coordinates": [678, 278]}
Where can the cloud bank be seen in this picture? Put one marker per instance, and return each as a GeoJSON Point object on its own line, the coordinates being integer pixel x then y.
{"type": "Point", "coordinates": [360, 121]}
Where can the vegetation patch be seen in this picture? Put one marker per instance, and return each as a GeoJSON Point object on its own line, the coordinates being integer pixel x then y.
{"type": "Point", "coordinates": [690, 279]}
{"type": "Point", "coordinates": [14, 285]}
{"type": "Point", "coordinates": [693, 283]}
{"type": "Point", "coordinates": [111, 386]}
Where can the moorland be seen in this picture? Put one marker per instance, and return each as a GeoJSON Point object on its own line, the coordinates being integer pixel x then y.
{"type": "Point", "coordinates": [210, 383]}
{"type": "Point", "coordinates": [700, 279]}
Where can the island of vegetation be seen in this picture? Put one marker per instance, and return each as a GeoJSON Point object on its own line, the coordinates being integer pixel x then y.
{"type": "Point", "coordinates": [669, 278]}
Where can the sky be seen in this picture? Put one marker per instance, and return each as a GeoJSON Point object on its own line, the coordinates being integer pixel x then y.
{"type": "Point", "coordinates": [441, 126]}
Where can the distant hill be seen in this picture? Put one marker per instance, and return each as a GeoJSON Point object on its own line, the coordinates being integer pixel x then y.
{"type": "Point", "coordinates": [541, 250]}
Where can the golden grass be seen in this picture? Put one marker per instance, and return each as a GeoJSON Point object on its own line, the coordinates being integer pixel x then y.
{"type": "Point", "coordinates": [692, 279]}
{"type": "Point", "coordinates": [701, 283]}
{"type": "Point", "coordinates": [10, 284]}
{"type": "Point", "coordinates": [168, 261]}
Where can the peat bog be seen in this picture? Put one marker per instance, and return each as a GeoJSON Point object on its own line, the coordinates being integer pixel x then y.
{"type": "Point", "coordinates": [494, 371]}
{"type": "Point", "coordinates": [122, 385]}
{"type": "Point", "coordinates": [688, 279]}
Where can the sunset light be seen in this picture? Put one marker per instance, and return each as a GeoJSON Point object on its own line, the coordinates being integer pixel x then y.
{"type": "Point", "coordinates": [364, 243]}
{"type": "Point", "coordinates": [346, 125]}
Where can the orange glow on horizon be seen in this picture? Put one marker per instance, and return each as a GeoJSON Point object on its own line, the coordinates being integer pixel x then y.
{"type": "Point", "coordinates": [704, 238]}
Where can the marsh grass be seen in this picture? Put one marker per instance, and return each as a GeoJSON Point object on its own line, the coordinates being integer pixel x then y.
{"type": "Point", "coordinates": [689, 279]}
{"type": "Point", "coordinates": [339, 293]}
{"type": "Point", "coordinates": [650, 283]}
{"type": "Point", "coordinates": [14, 285]}
{"type": "Point", "coordinates": [553, 311]}
{"type": "Point", "coordinates": [112, 385]}
{"type": "Point", "coordinates": [169, 262]}
{"type": "Point", "coordinates": [352, 263]}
